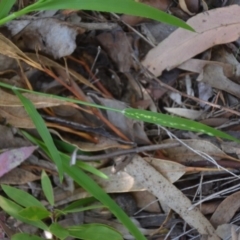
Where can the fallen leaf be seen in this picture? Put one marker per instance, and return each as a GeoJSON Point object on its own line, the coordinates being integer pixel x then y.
{"type": "Point", "coordinates": [217, 27]}
{"type": "Point", "coordinates": [186, 113]}
{"type": "Point", "coordinates": [12, 158]}
{"type": "Point", "coordinates": [153, 181]}
{"type": "Point", "coordinates": [183, 154]}
{"type": "Point", "coordinates": [172, 171]}
{"type": "Point", "coordinates": [118, 47]}
{"type": "Point", "coordinates": [49, 35]}
{"type": "Point", "coordinates": [18, 176]}
{"type": "Point", "coordinates": [214, 76]}
{"type": "Point", "coordinates": [226, 210]}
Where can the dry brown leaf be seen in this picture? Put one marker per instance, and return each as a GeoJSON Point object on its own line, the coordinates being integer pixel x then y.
{"type": "Point", "coordinates": [183, 154]}
{"type": "Point", "coordinates": [9, 140]}
{"type": "Point", "coordinates": [18, 176]}
{"type": "Point", "coordinates": [226, 210]}
{"type": "Point", "coordinates": [17, 117]}
{"type": "Point", "coordinates": [118, 47]}
{"type": "Point", "coordinates": [154, 182]}
{"type": "Point", "coordinates": [103, 143]}
{"type": "Point", "coordinates": [10, 100]}
{"type": "Point", "coordinates": [170, 170]}
{"type": "Point", "coordinates": [214, 76]}
{"type": "Point", "coordinates": [144, 198]}
{"type": "Point", "coordinates": [219, 26]}
{"type": "Point", "coordinates": [123, 182]}
{"type": "Point", "coordinates": [197, 65]}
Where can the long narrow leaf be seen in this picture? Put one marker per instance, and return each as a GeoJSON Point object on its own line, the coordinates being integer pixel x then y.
{"type": "Point", "coordinates": [42, 130]}
{"type": "Point", "coordinates": [21, 197]}
{"type": "Point", "coordinates": [124, 6]}
{"type": "Point", "coordinates": [47, 188]}
{"type": "Point", "coordinates": [130, 7]}
{"type": "Point", "coordinates": [175, 122]}
{"type": "Point", "coordinates": [25, 236]}
{"type": "Point", "coordinates": [93, 188]}
{"type": "Point", "coordinates": [12, 209]}
{"type": "Point", "coordinates": [5, 7]}
{"type": "Point", "coordinates": [147, 116]}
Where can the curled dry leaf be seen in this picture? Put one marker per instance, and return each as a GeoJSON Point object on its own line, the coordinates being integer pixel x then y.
{"type": "Point", "coordinates": [226, 210]}
{"type": "Point", "coordinates": [49, 35]}
{"type": "Point", "coordinates": [184, 7]}
{"type": "Point", "coordinates": [214, 76]}
{"type": "Point", "coordinates": [219, 26]}
{"type": "Point", "coordinates": [156, 183]}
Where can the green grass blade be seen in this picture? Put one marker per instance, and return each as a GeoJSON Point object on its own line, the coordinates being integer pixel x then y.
{"type": "Point", "coordinates": [5, 7]}
{"type": "Point", "coordinates": [59, 231]}
{"type": "Point", "coordinates": [94, 231]}
{"type": "Point", "coordinates": [47, 188]}
{"type": "Point", "coordinates": [175, 122]}
{"type": "Point", "coordinates": [130, 7]}
{"type": "Point", "coordinates": [21, 197]}
{"type": "Point", "coordinates": [42, 130]}
{"type": "Point", "coordinates": [147, 116]}
{"type": "Point", "coordinates": [12, 209]}
{"type": "Point", "coordinates": [124, 6]}
{"type": "Point", "coordinates": [90, 186]}
{"type": "Point", "coordinates": [34, 213]}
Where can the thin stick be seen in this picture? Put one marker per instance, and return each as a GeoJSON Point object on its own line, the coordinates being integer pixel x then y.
{"type": "Point", "coordinates": [127, 151]}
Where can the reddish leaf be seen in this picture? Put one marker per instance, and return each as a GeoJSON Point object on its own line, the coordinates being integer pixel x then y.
{"type": "Point", "coordinates": [12, 158]}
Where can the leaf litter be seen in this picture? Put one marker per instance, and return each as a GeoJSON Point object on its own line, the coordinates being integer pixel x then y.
{"type": "Point", "coordinates": [95, 58]}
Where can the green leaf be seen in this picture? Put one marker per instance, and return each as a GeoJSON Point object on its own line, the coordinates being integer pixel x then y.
{"type": "Point", "coordinates": [58, 231]}
{"type": "Point", "coordinates": [5, 7]}
{"type": "Point", "coordinates": [21, 197]}
{"type": "Point", "coordinates": [34, 213]}
{"type": "Point", "coordinates": [175, 122]}
{"type": "Point", "coordinates": [47, 188]}
{"type": "Point", "coordinates": [81, 209]}
{"type": "Point", "coordinates": [42, 130]}
{"type": "Point", "coordinates": [79, 203]}
{"type": "Point", "coordinates": [94, 232]}
{"type": "Point", "coordinates": [12, 209]}
{"type": "Point", "coordinates": [25, 236]}
{"type": "Point", "coordinates": [90, 186]}
{"type": "Point", "coordinates": [124, 6]}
